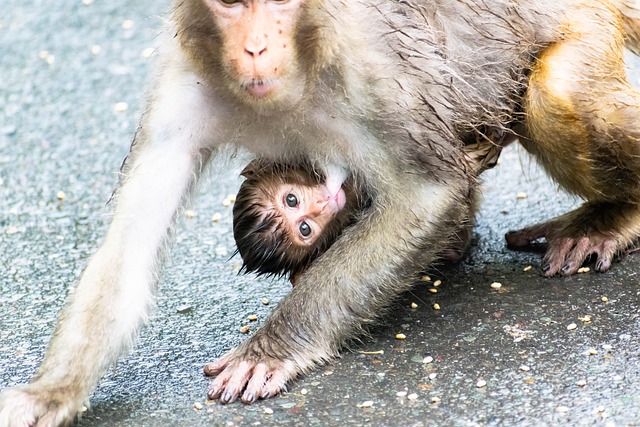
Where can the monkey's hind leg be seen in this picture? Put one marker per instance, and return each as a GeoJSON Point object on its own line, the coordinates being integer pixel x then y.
{"type": "Point", "coordinates": [582, 123]}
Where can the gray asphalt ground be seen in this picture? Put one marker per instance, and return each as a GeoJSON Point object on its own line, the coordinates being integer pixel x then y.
{"type": "Point", "coordinates": [66, 66]}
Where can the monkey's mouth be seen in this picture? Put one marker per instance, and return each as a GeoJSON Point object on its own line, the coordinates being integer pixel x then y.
{"type": "Point", "coordinates": [340, 199]}
{"type": "Point", "coordinates": [259, 88]}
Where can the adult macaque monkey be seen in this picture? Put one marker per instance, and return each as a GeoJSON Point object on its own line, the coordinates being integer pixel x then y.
{"type": "Point", "coordinates": [390, 89]}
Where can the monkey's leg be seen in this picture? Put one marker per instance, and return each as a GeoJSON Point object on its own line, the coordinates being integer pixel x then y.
{"type": "Point", "coordinates": [110, 301]}
{"type": "Point", "coordinates": [346, 287]}
{"type": "Point", "coordinates": [583, 124]}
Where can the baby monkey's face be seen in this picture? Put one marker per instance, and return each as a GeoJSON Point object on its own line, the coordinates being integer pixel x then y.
{"type": "Point", "coordinates": [306, 209]}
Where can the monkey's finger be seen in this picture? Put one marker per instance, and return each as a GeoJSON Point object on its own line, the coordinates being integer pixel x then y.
{"type": "Point", "coordinates": [214, 368]}
{"type": "Point", "coordinates": [216, 387]}
{"type": "Point", "coordinates": [275, 384]}
{"type": "Point", "coordinates": [524, 237]}
{"type": "Point", "coordinates": [235, 378]}
{"type": "Point", "coordinates": [256, 383]}
{"type": "Point", "coordinates": [606, 251]}
{"type": "Point", "coordinates": [576, 256]}
{"type": "Point", "coordinates": [556, 255]}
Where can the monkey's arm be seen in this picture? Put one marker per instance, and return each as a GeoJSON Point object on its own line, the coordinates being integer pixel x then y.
{"type": "Point", "coordinates": [110, 301]}
{"type": "Point", "coordinates": [345, 288]}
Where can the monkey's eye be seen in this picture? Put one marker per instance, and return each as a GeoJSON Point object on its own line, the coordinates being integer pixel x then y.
{"type": "Point", "coordinates": [230, 1]}
{"type": "Point", "coordinates": [305, 229]}
{"type": "Point", "coordinates": [291, 200]}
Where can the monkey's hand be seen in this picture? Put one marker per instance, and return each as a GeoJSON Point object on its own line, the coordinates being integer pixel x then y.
{"type": "Point", "coordinates": [235, 374]}
{"type": "Point", "coordinates": [35, 406]}
{"type": "Point", "coordinates": [601, 230]}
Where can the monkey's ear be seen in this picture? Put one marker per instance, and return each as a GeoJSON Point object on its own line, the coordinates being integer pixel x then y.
{"type": "Point", "coordinates": [249, 171]}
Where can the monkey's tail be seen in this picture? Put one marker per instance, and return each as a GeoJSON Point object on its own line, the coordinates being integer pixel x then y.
{"type": "Point", "coordinates": [630, 10]}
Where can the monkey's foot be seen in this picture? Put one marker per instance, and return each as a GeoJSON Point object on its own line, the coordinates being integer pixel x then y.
{"type": "Point", "coordinates": [236, 375]}
{"type": "Point", "coordinates": [603, 231]}
{"type": "Point", "coordinates": [34, 406]}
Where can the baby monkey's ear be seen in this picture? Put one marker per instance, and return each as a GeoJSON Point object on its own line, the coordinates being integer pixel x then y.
{"type": "Point", "coordinates": [249, 171]}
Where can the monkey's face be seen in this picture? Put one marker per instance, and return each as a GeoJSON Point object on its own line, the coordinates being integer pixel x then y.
{"type": "Point", "coordinates": [307, 210]}
{"type": "Point", "coordinates": [258, 49]}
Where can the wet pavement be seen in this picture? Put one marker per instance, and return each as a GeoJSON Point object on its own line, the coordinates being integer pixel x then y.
{"type": "Point", "coordinates": [534, 352]}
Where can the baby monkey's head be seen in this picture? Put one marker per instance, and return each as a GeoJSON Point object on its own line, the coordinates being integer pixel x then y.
{"type": "Point", "coordinates": [284, 217]}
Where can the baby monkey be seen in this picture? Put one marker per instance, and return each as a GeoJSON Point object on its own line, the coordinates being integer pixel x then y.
{"type": "Point", "coordinates": [285, 216]}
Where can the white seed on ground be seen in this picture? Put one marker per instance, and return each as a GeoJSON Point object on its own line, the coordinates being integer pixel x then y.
{"type": "Point", "coordinates": [401, 393]}
{"type": "Point", "coordinates": [197, 405]}
{"type": "Point", "coordinates": [525, 368]}
{"type": "Point", "coordinates": [571, 326]}
{"type": "Point", "coordinates": [366, 404]}
{"type": "Point", "coordinates": [604, 299]}
{"type": "Point", "coordinates": [265, 301]}
{"type": "Point", "coordinates": [496, 285]}
{"type": "Point", "coordinates": [425, 278]}
{"type": "Point", "coordinates": [127, 24]}
{"type": "Point", "coordinates": [481, 383]}
{"type": "Point", "coordinates": [252, 317]}
{"type": "Point", "coordinates": [244, 329]}
{"type": "Point", "coordinates": [437, 283]}
{"type": "Point", "coordinates": [433, 290]}
{"type": "Point", "coordinates": [401, 336]}
{"type": "Point", "coordinates": [433, 375]}
{"type": "Point", "coordinates": [11, 230]}
{"type": "Point", "coordinates": [60, 195]}
{"type": "Point", "coordinates": [304, 391]}
{"type": "Point", "coordinates": [521, 195]}
{"type": "Point", "coordinates": [216, 217]}
{"type": "Point", "coordinates": [121, 107]}
{"type": "Point", "coordinates": [190, 214]}
{"type": "Point", "coordinates": [436, 306]}
{"type": "Point", "coordinates": [268, 411]}
{"type": "Point", "coordinates": [585, 319]}
{"type": "Point", "coordinates": [584, 270]}
{"type": "Point", "coordinates": [412, 396]}
{"type": "Point", "coordinates": [562, 409]}
{"type": "Point", "coordinates": [95, 49]}
{"type": "Point", "coordinates": [528, 268]}
{"type": "Point", "coordinates": [226, 202]}
{"type": "Point", "coordinates": [592, 352]}
{"type": "Point", "coordinates": [414, 305]}
{"type": "Point", "coordinates": [582, 383]}
{"type": "Point", "coordinates": [87, 2]}
{"type": "Point", "coordinates": [435, 399]}
{"type": "Point", "coordinates": [427, 359]}
{"type": "Point", "coordinates": [607, 347]}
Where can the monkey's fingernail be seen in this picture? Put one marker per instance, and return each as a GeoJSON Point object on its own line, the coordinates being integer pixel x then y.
{"type": "Point", "coordinates": [250, 397]}
{"type": "Point", "coordinates": [603, 265]}
{"type": "Point", "coordinates": [264, 394]}
{"type": "Point", "coordinates": [566, 267]}
{"type": "Point", "coordinates": [546, 267]}
{"type": "Point", "coordinates": [227, 397]}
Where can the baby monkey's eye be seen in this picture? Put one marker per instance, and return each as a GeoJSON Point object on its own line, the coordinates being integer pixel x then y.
{"type": "Point", "coordinates": [291, 200]}
{"type": "Point", "coordinates": [304, 228]}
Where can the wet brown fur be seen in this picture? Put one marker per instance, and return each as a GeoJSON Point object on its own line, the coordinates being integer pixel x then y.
{"type": "Point", "coordinates": [393, 90]}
